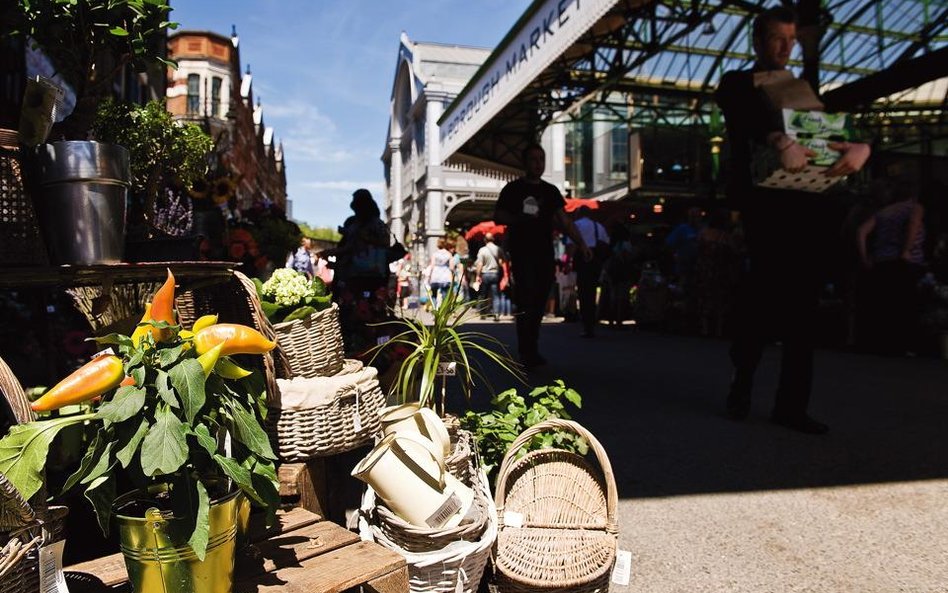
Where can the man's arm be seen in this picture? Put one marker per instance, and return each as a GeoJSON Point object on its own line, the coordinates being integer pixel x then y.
{"type": "Point", "coordinates": [573, 233]}
{"type": "Point", "coordinates": [913, 230]}
{"type": "Point", "coordinates": [502, 212]}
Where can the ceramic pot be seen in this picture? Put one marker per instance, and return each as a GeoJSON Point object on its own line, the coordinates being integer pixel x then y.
{"type": "Point", "coordinates": [414, 419]}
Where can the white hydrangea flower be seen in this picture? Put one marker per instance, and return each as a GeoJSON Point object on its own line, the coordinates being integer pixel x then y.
{"type": "Point", "coordinates": [287, 287]}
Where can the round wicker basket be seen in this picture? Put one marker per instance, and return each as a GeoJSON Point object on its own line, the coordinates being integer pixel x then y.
{"type": "Point", "coordinates": [566, 529]}
{"type": "Point", "coordinates": [313, 346]}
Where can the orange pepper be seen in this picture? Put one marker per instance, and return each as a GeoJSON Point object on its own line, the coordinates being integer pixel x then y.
{"type": "Point", "coordinates": [94, 378]}
{"type": "Point", "coordinates": [162, 308]}
{"type": "Point", "coordinates": [239, 339]}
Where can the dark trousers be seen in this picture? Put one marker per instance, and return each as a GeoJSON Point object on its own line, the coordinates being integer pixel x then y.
{"type": "Point", "coordinates": [533, 278]}
{"type": "Point", "coordinates": [490, 293]}
{"type": "Point", "coordinates": [778, 297]}
{"type": "Point", "coordinates": [587, 280]}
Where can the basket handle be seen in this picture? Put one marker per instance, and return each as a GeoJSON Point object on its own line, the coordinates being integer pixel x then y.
{"type": "Point", "coordinates": [612, 496]}
{"type": "Point", "coordinates": [274, 363]}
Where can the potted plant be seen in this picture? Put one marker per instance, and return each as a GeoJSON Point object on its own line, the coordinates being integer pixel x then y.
{"type": "Point", "coordinates": [164, 155]}
{"type": "Point", "coordinates": [180, 423]}
{"type": "Point", "coordinates": [443, 349]}
{"type": "Point", "coordinates": [79, 186]}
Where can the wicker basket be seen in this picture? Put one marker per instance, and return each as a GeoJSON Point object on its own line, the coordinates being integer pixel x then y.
{"type": "Point", "coordinates": [566, 540]}
{"type": "Point", "coordinates": [313, 346]}
{"type": "Point", "coordinates": [347, 421]}
{"type": "Point", "coordinates": [462, 462]}
{"type": "Point", "coordinates": [457, 567]}
{"type": "Point", "coordinates": [20, 241]}
{"type": "Point", "coordinates": [422, 539]}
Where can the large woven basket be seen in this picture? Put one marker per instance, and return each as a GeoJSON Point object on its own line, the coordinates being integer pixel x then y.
{"type": "Point", "coordinates": [564, 538]}
{"type": "Point", "coordinates": [462, 462]}
{"type": "Point", "coordinates": [20, 241]}
{"type": "Point", "coordinates": [347, 421]}
{"type": "Point", "coordinates": [313, 346]}
{"type": "Point", "coordinates": [457, 567]}
{"type": "Point", "coordinates": [423, 539]}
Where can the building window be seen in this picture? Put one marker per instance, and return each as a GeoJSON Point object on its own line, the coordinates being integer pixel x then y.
{"type": "Point", "coordinates": [216, 96]}
{"type": "Point", "coordinates": [619, 166]}
{"type": "Point", "coordinates": [194, 93]}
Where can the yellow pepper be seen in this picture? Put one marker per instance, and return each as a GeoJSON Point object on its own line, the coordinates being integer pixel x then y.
{"type": "Point", "coordinates": [229, 370]}
{"type": "Point", "coordinates": [237, 339]}
{"type": "Point", "coordinates": [94, 378]}
{"type": "Point", "coordinates": [209, 359]}
{"type": "Point", "coordinates": [203, 321]}
{"type": "Point", "coordinates": [141, 330]}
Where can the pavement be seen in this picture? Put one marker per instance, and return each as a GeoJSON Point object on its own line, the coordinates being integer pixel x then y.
{"type": "Point", "coordinates": [707, 504]}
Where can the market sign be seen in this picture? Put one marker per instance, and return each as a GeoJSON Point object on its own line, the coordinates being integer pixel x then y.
{"type": "Point", "coordinates": [546, 31]}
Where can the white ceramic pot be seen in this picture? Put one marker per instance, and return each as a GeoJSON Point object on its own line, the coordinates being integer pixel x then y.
{"type": "Point", "coordinates": [407, 472]}
{"type": "Point", "coordinates": [414, 419]}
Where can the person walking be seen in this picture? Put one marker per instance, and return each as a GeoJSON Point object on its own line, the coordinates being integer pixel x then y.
{"type": "Point", "coordinates": [588, 271]}
{"type": "Point", "coordinates": [530, 207]}
{"type": "Point", "coordinates": [779, 296]}
{"type": "Point", "coordinates": [441, 275]}
{"type": "Point", "coordinates": [301, 260]}
{"type": "Point", "coordinates": [487, 272]}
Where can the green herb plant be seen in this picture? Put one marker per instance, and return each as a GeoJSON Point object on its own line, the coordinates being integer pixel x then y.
{"type": "Point", "coordinates": [494, 431]}
{"type": "Point", "coordinates": [172, 428]}
{"type": "Point", "coordinates": [161, 150]}
{"type": "Point", "coordinates": [443, 348]}
{"type": "Point", "coordinates": [288, 295]}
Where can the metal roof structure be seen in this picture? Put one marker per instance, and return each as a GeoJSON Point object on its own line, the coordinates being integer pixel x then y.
{"type": "Point", "coordinates": [658, 61]}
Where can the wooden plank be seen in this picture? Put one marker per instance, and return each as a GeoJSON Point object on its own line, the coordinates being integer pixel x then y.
{"type": "Point", "coordinates": [306, 484]}
{"type": "Point", "coordinates": [111, 569]}
{"type": "Point", "coordinates": [290, 549]}
{"type": "Point", "coordinates": [332, 572]}
{"type": "Point", "coordinates": [287, 520]}
{"type": "Point", "coordinates": [393, 582]}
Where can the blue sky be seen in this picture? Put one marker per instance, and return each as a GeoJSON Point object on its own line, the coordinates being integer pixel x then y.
{"type": "Point", "coordinates": [324, 72]}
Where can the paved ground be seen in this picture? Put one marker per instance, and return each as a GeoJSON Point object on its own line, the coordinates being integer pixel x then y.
{"type": "Point", "coordinates": [710, 505]}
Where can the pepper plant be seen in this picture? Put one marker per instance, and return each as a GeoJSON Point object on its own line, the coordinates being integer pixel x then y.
{"type": "Point", "coordinates": [170, 398]}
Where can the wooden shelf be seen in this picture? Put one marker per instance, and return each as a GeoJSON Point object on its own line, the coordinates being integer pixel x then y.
{"type": "Point", "coordinates": [121, 273]}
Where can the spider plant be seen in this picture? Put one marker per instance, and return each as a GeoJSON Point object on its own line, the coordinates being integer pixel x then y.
{"type": "Point", "coordinates": [441, 349]}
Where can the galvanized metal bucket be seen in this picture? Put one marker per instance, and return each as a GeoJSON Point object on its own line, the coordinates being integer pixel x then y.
{"type": "Point", "coordinates": [81, 200]}
{"type": "Point", "coordinates": [159, 559]}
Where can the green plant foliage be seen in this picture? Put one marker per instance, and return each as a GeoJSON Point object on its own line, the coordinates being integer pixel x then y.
{"type": "Point", "coordinates": [159, 147]}
{"type": "Point", "coordinates": [90, 41]}
{"type": "Point", "coordinates": [496, 430]}
{"type": "Point", "coordinates": [167, 430]}
{"type": "Point", "coordinates": [444, 341]}
{"type": "Point", "coordinates": [320, 233]}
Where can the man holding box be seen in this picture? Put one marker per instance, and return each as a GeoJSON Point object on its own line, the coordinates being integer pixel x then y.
{"type": "Point", "coordinates": [779, 296]}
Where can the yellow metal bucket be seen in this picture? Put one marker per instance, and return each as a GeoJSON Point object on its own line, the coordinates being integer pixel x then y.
{"type": "Point", "coordinates": [159, 559]}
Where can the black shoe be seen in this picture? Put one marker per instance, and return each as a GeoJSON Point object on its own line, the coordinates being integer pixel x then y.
{"type": "Point", "coordinates": [803, 424]}
{"type": "Point", "coordinates": [532, 362]}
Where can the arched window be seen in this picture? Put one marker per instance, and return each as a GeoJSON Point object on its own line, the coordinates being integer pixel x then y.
{"type": "Point", "coordinates": [194, 93]}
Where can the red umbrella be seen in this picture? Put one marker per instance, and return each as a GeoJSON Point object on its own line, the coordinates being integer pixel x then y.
{"type": "Point", "coordinates": [480, 229]}
{"type": "Point", "coordinates": [576, 203]}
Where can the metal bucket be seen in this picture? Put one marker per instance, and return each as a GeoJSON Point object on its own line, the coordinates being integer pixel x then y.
{"type": "Point", "coordinates": [159, 559]}
{"type": "Point", "coordinates": [81, 200]}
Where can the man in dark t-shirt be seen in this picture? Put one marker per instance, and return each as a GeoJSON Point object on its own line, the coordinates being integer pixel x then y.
{"type": "Point", "coordinates": [530, 207]}
{"type": "Point", "coordinates": [778, 298]}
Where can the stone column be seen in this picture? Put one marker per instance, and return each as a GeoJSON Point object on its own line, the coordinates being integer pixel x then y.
{"type": "Point", "coordinates": [396, 224]}
{"type": "Point", "coordinates": [434, 221]}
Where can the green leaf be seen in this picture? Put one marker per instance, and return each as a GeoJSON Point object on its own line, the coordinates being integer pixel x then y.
{"type": "Point", "coordinates": [103, 464]}
{"type": "Point", "coordinates": [101, 493]}
{"type": "Point", "coordinates": [300, 313]}
{"type": "Point", "coordinates": [164, 448]}
{"type": "Point", "coordinates": [239, 474]}
{"type": "Point", "coordinates": [573, 397]}
{"type": "Point", "coordinates": [115, 339]}
{"type": "Point", "coordinates": [168, 356]}
{"type": "Point", "coordinates": [23, 451]}
{"type": "Point", "coordinates": [248, 431]}
{"type": "Point", "coordinates": [205, 439]}
{"type": "Point", "coordinates": [138, 374]}
{"type": "Point", "coordinates": [188, 379]}
{"type": "Point", "coordinates": [127, 402]}
{"type": "Point", "coordinates": [268, 488]}
{"type": "Point", "coordinates": [165, 391]}
{"type": "Point", "coordinates": [92, 453]}
{"type": "Point", "coordinates": [199, 537]}
{"type": "Point", "coordinates": [127, 453]}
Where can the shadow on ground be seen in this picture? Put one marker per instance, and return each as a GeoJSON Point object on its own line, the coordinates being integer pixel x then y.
{"type": "Point", "coordinates": [656, 403]}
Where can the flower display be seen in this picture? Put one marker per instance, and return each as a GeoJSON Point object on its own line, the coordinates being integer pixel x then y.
{"type": "Point", "coordinates": [289, 295]}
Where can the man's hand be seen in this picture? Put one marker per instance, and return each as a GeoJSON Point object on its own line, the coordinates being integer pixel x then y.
{"type": "Point", "coordinates": [853, 156]}
{"type": "Point", "coordinates": [794, 157]}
